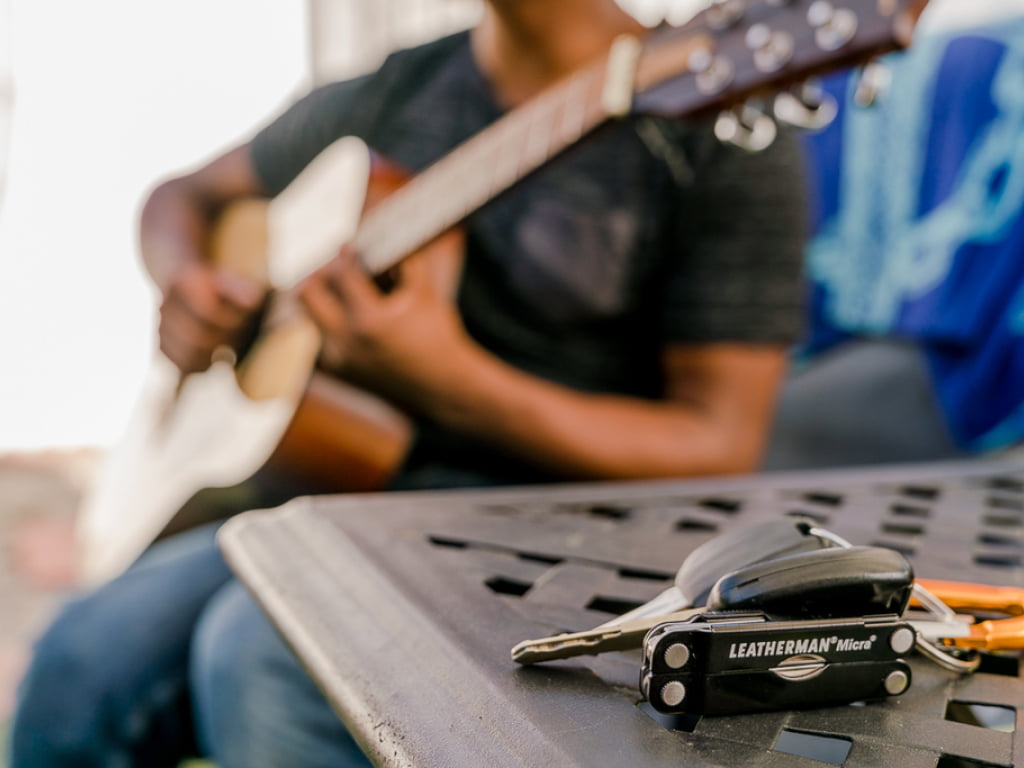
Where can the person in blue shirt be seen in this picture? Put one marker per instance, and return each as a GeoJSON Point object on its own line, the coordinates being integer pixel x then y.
{"type": "Point", "coordinates": [915, 346]}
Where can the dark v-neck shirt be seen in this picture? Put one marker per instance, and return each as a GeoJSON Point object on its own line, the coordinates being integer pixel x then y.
{"type": "Point", "coordinates": [646, 234]}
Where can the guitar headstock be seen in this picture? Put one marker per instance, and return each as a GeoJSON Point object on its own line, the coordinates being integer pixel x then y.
{"type": "Point", "coordinates": [738, 50]}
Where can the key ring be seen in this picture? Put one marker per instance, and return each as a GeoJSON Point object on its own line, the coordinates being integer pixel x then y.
{"type": "Point", "coordinates": [932, 604]}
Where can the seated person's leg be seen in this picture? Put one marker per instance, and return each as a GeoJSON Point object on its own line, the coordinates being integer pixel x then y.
{"type": "Point", "coordinates": [866, 402]}
{"type": "Point", "coordinates": [108, 683]}
{"type": "Point", "coordinates": [255, 705]}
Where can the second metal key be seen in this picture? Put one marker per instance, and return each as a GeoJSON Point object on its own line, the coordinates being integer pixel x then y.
{"type": "Point", "coordinates": [621, 637]}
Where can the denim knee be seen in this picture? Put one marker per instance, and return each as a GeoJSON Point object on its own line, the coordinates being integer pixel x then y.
{"type": "Point", "coordinates": [77, 704]}
{"type": "Point", "coordinates": [255, 705]}
{"type": "Point", "coordinates": [107, 684]}
{"type": "Point", "coordinates": [60, 712]}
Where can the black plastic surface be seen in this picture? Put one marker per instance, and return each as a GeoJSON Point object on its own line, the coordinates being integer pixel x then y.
{"type": "Point", "coordinates": [404, 608]}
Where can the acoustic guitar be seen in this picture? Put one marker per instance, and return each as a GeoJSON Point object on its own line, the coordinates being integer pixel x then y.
{"type": "Point", "coordinates": [214, 429]}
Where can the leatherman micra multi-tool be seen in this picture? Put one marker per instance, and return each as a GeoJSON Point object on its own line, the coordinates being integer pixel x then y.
{"type": "Point", "coordinates": [727, 663]}
{"type": "Point", "coordinates": [812, 629]}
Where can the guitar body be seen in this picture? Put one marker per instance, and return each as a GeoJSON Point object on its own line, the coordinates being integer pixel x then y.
{"type": "Point", "coordinates": [217, 428]}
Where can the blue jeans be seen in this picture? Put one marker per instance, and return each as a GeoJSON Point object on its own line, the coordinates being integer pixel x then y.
{"type": "Point", "coordinates": [170, 660]}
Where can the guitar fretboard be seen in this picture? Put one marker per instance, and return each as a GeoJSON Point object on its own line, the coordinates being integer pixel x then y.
{"type": "Point", "coordinates": [481, 168]}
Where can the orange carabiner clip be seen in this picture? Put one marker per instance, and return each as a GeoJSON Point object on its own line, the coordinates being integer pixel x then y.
{"type": "Point", "coordinates": [981, 598]}
{"type": "Point", "coordinates": [988, 635]}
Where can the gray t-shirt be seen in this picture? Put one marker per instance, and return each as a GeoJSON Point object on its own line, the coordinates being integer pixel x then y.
{"type": "Point", "coordinates": [647, 233]}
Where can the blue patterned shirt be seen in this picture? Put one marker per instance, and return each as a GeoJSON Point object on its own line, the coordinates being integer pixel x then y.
{"type": "Point", "coordinates": [919, 223]}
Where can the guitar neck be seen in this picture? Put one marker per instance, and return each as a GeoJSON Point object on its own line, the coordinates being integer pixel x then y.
{"type": "Point", "coordinates": [735, 50]}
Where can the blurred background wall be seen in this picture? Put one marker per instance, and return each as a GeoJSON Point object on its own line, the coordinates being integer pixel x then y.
{"type": "Point", "coordinates": [107, 96]}
{"type": "Point", "coordinates": [6, 93]}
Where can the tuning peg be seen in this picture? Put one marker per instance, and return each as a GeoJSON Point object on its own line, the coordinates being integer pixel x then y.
{"type": "Point", "coordinates": [747, 127]}
{"type": "Point", "coordinates": [722, 14]}
{"type": "Point", "coordinates": [833, 28]}
{"type": "Point", "coordinates": [772, 49]}
{"type": "Point", "coordinates": [874, 81]}
{"type": "Point", "coordinates": [807, 107]}
{"type": "Point", "coordinates": [713, 73]}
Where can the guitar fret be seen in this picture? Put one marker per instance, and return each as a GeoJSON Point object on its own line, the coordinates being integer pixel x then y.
{"type": "Point", "coordinates": [574, 114]}
{"type": "Point", "coordinates": [511, 134]}
{"type": "Point", "coordinates": [497, 157]}
{"type": "Point", "coordinates": [538, 138]}
{"type": "Point", "coordinates": [505, 158]}
{"type": "Point", "coordinates": [474, 182]}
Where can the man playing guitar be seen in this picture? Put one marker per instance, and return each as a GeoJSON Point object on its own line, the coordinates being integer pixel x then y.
{"type": "Point", "coordinates": [624, 312]}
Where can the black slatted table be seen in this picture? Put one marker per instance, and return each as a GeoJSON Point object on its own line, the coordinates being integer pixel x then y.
{"type": "Point", "coordinates": [404, 608]}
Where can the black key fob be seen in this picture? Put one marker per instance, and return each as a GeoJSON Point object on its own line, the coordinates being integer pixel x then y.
{"type": "Point", "coordinates": [825, 583]}
{"type": "Point", "coordinates": [737, 548]}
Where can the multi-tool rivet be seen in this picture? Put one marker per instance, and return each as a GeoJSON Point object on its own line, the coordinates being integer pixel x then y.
{"type": "Point", "coordinates": [896, 682]}
{"type": "Point", "coordinates": [677, 655]}
{"type": "Point", "coordinates": [902, 640]}
{"type": "Point", "coordinates": [673, 693]}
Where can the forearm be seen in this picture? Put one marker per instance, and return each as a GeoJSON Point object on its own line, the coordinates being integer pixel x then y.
{"type": "Point", "coordinates": [176, 217]}
{"type": "Point", "coordinates": [410, 346]}
{"type": "Point", "coordinates": [204, 306]}
{"type": "Point", "coordinates": [172, 231]}
{"type": "Point", "coordinates": [584, 435]}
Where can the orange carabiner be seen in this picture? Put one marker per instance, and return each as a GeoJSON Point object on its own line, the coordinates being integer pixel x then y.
{"type": "Point", "coordinates": [988, 635]}
{"type": "Point", "coordinates": [980, 598]}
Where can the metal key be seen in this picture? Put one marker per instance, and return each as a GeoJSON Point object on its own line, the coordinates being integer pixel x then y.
{"type": "Point", "coordinates": [621, 637]}
{"type": "Point", "coordinates": [723, 554]}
